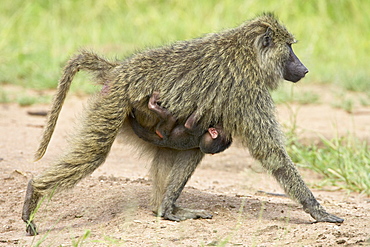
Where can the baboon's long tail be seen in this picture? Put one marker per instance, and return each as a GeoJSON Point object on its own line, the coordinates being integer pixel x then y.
{"type": "Point", "coordinates": [82, 61]}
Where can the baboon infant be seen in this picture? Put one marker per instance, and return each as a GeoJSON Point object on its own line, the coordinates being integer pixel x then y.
{"type": "Point", "coordinates": [222, 78]}
{"type": "Point", "coordinates": [169, 133]}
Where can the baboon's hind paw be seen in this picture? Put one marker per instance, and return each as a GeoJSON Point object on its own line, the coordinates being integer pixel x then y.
{"type": "Point", "coordinates": [171, 217]}
{"type": "Point", "coordinates": [180, 214]}
{"type": "Point", "coordinates": [186, 213]}
{"type": "Point", "coordinates": [31, 229]}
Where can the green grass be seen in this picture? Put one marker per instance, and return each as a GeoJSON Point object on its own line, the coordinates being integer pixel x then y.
{"type": "Point", "coordinates": [345, 104]}
{"type": "Point", "coordinates": [39, 36]}
{"type": "Point", "coordinates": [80, 240]}
{"type": "Point", "coordinates": [287, 93]}
{"type": "Point", "coordinates": [4, 98]}
{"type": "Point", "coordinates": [343, 161]}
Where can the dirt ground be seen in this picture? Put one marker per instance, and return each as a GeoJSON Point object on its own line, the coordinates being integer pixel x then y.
{"type": "Point", "coordinates": [112, 205]}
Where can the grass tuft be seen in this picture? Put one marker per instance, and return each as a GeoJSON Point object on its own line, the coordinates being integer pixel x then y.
{"type": "Point", "coordinates": [343, 161]}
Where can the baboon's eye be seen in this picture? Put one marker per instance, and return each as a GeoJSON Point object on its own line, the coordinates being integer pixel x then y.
{"type": "Point", "coordinates": [266, 40]}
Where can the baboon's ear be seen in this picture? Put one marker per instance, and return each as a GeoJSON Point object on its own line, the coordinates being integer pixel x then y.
{"type": "Point", "coordinates": [267, 38]}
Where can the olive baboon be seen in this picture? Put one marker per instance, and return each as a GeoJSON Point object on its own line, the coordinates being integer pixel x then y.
{"type": "Point", "coordinates": [231, 72]}
{"type": "Point", "coordinates": [181, 137]}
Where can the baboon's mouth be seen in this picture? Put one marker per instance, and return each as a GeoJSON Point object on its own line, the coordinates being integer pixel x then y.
{"type": "Point", "coordinates": [296, 78]}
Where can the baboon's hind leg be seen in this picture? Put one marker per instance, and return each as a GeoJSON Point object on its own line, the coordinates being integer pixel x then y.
{"type": "Point", "coordinates": [87, 150]}
{"type": "Point", "coordinates": [161, 167]}
{"type": "Point", "coordinates": [30, 204]}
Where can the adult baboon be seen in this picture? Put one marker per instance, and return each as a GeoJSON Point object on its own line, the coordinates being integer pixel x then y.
{"type": "Point", "coordinates": [225, 77]}
{"type": "Point", "coordinates": [170, 134]}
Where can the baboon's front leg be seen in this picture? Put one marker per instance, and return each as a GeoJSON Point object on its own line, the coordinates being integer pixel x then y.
{"type": "Point", "coordinates": [296, 188]}
{"type": "Point", "coordinates": [184, 166]}
{"type": "Point", "coordinates": [266, 143]}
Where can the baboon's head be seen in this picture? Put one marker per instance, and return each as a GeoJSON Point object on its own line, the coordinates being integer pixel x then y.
{"type": "Point", "coordinates": [273, 48]}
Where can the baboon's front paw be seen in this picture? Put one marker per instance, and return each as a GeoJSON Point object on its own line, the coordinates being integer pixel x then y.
{"type": "Point", "coordinates": [329, 218]}
{"type": "Point", "coordinates": [323, 216]}
{"type": "Point", "coordinates": [31, 229]}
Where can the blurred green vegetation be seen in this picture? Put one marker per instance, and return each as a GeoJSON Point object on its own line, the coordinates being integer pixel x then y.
{"type": "Point", "coordinates": [38, 36]}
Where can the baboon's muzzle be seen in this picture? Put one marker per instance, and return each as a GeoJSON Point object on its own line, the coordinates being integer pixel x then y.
{"type": "Point", "coordinates": [294, 69]}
